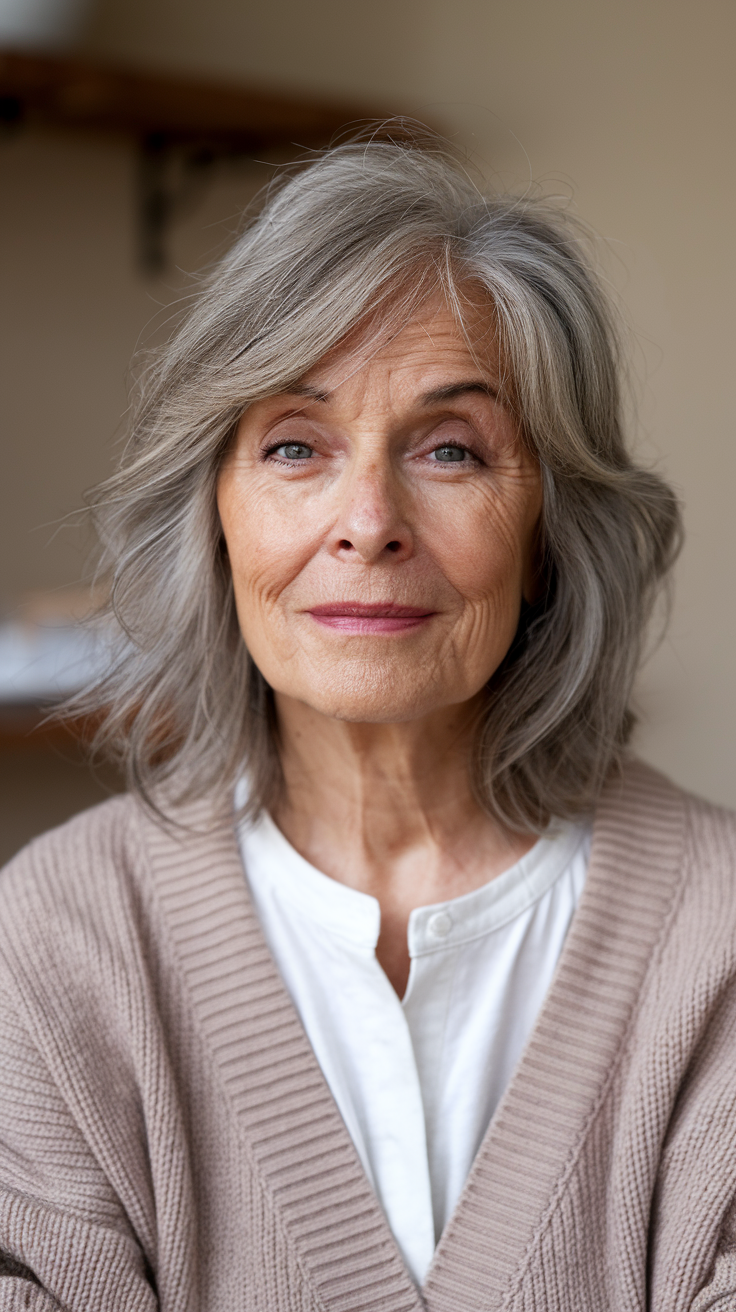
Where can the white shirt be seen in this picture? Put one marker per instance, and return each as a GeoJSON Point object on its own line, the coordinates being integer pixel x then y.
{"type": "Point", "coordinates": [417, 1080]}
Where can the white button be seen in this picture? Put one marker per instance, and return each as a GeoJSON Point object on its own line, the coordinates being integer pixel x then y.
{"type": "Point", "coordinates": [439, 925]}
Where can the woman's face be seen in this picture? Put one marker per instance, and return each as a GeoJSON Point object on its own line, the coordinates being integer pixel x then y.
{"type": "Point", "coordinates": [380, 523]}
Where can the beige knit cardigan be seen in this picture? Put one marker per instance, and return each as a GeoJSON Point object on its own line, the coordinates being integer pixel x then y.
{"type": "Point", "coordinates": [167, 1139]}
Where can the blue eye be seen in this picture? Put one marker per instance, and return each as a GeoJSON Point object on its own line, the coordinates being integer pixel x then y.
{"type": "Point", "coordinates": [450, 454]}
{"type": "Point", "coordinates": [294, 451]}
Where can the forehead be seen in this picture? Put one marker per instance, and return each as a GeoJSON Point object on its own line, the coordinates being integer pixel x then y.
{"type": "Point", "coordinates": [433, 341]}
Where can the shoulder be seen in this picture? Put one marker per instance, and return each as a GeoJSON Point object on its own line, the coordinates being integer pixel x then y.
{"type": "Point", "coordinates": [650, 803]}
{"type": "Point", "coordinates": [710, 836]}
{"type": "Point", "coordinates": [91, 849]}
{"type": "Point", "coordinates": [640, 797]}
{"type": "Point", "coordinates": [679, 850]}
{"type": "Point", "coordinates": [95, 898]}
{"type": "Point", "coordinates": [74, 903]}
{"type": "Point", "coordinates": [708, 907]}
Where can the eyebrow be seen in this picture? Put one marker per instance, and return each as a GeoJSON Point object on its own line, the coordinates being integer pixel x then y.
{"type": "Point", "coordinates": [454, 390]}
{"type": "Point", "coordinates": [303, 389]}
{"type": "Point", "coordinates": [435, 397]}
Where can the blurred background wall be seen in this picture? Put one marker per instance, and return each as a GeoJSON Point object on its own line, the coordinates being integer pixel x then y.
{"type": "Point", "coordinates": [623, 108]}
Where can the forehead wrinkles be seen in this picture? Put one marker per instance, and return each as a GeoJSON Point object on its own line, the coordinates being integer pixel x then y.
{"type": "Point", "coordinates": [433, 339]}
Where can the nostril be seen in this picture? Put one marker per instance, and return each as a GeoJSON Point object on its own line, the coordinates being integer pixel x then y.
{"type": "Point", "coordinates": [344, 545]}
{"type": "Point", "coordinates": [393, 546]}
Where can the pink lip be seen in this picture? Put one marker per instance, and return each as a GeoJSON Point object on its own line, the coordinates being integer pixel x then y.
{"type": "Point", "coordinates": [356, 617]}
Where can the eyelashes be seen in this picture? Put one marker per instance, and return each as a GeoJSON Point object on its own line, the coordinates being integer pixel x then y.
{"type": "Point", "coordinates": [294, 452]}
{"type": "Point", "coordinates": [453, 453]}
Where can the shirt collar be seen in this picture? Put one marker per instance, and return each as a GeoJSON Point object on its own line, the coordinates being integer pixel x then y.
{"type": "Point", "coordinates": [278, 870]}
{"type": "Point", "coordinates": [493, 905]}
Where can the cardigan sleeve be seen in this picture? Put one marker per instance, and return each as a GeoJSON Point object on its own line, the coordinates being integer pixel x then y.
{"type": "Point", "coordinates": [19, 1289]}
{"type": "Point", "coordinates": [65, 1241]}
{"type": "Point", "coordinates": [719, 1294]}
{"type": "Point", "coordinates": [20, 1292]}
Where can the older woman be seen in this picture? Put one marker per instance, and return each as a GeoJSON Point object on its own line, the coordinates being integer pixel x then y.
{"type": "Point", "coordinates": [394, 983]}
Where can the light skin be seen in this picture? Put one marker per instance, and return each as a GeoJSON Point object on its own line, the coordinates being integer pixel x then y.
{"type": "Point", "coordinates": [380, 522]}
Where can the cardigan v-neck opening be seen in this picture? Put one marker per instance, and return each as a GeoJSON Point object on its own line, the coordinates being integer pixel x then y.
{"type": "Point", "coordinates": [417, 1080]}
{"type": "Point", "coordinates": [290, 1125]}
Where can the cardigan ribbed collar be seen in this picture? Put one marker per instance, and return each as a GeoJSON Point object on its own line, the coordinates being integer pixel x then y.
{"type": "Point", "coordinates": [289, 1127]}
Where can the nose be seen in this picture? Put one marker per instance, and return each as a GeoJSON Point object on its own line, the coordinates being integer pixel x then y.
{"type": "Point", "coordinates": [372, 523]}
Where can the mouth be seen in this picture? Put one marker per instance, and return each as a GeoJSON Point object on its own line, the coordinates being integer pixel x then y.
{"type": "Point", "coordinates": [357, 617]}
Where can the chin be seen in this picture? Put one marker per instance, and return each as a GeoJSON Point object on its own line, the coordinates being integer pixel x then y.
{"type": "Point", "coordinates": [377, 696]}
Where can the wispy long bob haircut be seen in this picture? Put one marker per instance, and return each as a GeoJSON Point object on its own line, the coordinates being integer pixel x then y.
{"type": "Point", "coordinates": [367, 227]}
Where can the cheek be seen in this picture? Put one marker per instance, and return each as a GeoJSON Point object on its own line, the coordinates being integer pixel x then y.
{"type": "Point", "coordinates": [482, 545]}
{"type": "Point", "coordinates": [267, 544]}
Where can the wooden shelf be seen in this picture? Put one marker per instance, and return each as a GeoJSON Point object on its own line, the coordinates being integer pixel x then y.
{"type": "Point", "coordinates": [181, 127]}
{"type": "Point", "coordinates": [82, 94]}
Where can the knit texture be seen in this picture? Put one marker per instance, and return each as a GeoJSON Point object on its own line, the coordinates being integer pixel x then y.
{"type": "Point", "coordinates": [167, 1139]}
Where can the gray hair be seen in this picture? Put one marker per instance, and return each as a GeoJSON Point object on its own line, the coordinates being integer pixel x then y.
{"type": "Point", "coordinates": [369, 225]}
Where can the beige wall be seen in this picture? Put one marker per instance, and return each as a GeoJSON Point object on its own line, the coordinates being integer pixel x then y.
{"type": "Point", "coordinates": [75, 309]}
{"type": "Point", "coordinates": [625, 107]}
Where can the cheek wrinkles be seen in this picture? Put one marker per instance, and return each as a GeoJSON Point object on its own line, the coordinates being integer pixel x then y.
{"type": "Point", "coordinates": [481, 547]}
{"type": "Point", "coordinates": [268, 545]}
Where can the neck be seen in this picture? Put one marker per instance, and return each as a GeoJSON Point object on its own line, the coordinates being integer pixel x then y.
{"type": "Point", "coordinates": [389, 809]}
